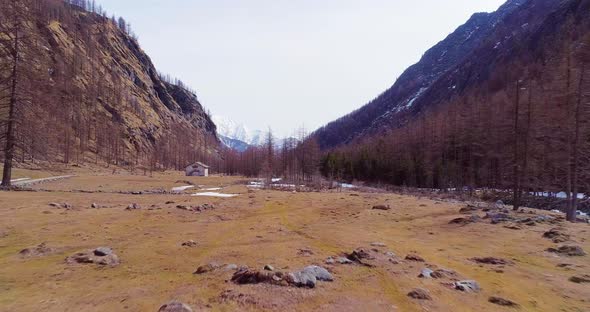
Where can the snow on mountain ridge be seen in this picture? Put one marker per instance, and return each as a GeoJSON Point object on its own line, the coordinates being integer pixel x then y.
{"type": "Point", "coordinates": [238, 131]}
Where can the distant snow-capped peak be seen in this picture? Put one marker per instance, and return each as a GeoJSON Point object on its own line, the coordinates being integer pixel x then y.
{"type": "Point", "coordinates": [237, 131]}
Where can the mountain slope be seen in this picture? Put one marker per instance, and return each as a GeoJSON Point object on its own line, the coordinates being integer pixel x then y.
{"type": "Point", "coordinates": [419, 82]}
{"type": "Point", "coordinates": [98, 93]}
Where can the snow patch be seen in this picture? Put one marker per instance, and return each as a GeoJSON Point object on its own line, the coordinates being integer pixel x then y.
{"type": "Point", "coordinates": [179, 189]}
{"type": "Point", "coordinates": [215, 194]}
{"type": "Point", "coordinates": [212, 189]}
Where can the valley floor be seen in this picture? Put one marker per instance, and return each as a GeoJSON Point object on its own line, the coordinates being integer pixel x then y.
{"type": "Point", "coordinates": [258, 227]}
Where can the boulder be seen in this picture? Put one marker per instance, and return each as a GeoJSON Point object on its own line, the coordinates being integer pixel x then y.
{"type": "Point", "coordinates": [502, 302]}
{"type": "Point", "coordinates": [189, 243]}
{"type": "Point", "coordinates": [302, 279]}
{"type": "Point", "coordinates": [321, 274]}
{"type": "Point", "coordinates": [381, 207]}
{"type": "Point", "coordinates": [247, 276]}
{"type": "Point", "coordinates": [37, 251]}
{"type": "Point", "coordinates": [556, 235]}
{"type": "Point", "coordinates": [420, 294]}
{"type": "Point", "coordinates": [210, 267]}
{"type": "Point", "coordinates": [415, 257]}
{"type": "Point", "coordinates": [175, 306]}
{"type": "Point", "coordinates": [579, 279]}
{"type": "Point", "coordinates": [426, 273]}
{"type": "Point", "coordinates": [103, 256]}
{"type": "Point", "coordinates": [568, 250]}
{"type": "Point", "coordinates": [467, 286]}
{"type": "Point", "coordinates": [103, 251]}
{"type": "Point", "coordinates": [133, 206]}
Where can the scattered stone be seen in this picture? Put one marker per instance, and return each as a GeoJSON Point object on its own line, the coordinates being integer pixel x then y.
{"type": "Point", "coordinates": [467, 286]}
{"type": "Point", "coordinates": [103, 251]}
{"type": "Point", "coordinates": [269, 267]}
{"type": "Point", "coordinates": [426, 273]}
{"type": "Point", "coordinates": [343, 260]}
{"type": "Point", "coordinates": [556, 235]}
{"type": "Point", "coordinates": [420, 294]}
{"type": "Point", "coordinates": [378, 244]}
{"type": "Point", "coordinates": [491, 260]}
{"type": "Point", "coordinates": [210, 267]}
{"type": "Point", "coordinates": [468, 209]}
{"type": "Point", "coordinates": [302, 279]}
{"type": "Point", "coordinates": [37, 251]}
{"type": "Point", "coordinates": [189, 243]}
{"type": "Point", "coordinates": [502, 302]}
{"type": "Point", "coordinates": [579, 279]}
{"type": "Point", "coordinates": [466, 220]}
{"type": "Point", "coordinates": [133, 206]}
{"type": "Point", "coordinates": [331, 260]}
{"type": "Point", "coordinates": [499, 204]}
{"type": "Point", "coordinates": [571, 251]}
{"type": "Point", "coordinates": [101, 256]}
{"type": "Point", "coordinates": [94, 206]}
{"type": "Point", "coordinates": [359, 256]}
{"type": "Point", "coordinates": [381, 207]}
{"type": "Point", "coordinates": [175, 306]}
{"type": "Point", "coordinates": [247, 276]}
{"type": "Point", "coordinates": [414, 257]}
{"type": "Point", "coordinates": [320, 273]}
{"type": "Point", "coordinates": [169, 202]}
{"type": "Point", "coordinates": [390, 254]}
{"type": "Point", "coordinates": [63, 205]}
{"type": "Point", "coordinates": [498, 217]}
{"type": "Point", "coordinates": [199, 208]}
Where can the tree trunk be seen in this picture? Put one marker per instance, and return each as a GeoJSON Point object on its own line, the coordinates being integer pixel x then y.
{"type": "Point", "coordinates": [516, 182]}
{"type": "Point", "coordinates": [10, 135]}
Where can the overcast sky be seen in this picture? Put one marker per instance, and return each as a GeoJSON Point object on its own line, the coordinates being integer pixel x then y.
{"type": "Point", "coordinates": [288, 63]}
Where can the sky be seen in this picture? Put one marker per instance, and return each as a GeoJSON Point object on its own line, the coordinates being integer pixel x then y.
{"type": "Point", "coordinates": [287, 64]}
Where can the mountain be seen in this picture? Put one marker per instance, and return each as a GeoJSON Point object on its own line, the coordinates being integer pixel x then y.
{"type": "Point", "coordinates": [96, 95]}
{"type": "Point", "coordinates": [440, 74]}
{"type": "Point", "coordinates": [236, 135]}
{"type": "Point", "coordinates": [500, 104]}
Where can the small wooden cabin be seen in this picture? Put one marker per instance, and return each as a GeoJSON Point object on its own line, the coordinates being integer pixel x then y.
{"type": "Point", "coordinates": [197, 169]}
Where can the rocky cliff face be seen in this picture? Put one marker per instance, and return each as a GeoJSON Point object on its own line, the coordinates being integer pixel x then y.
{"type": "Point", "coordinates": [98, 87]}
{"type": "Point", "coordinates": [448, 68]}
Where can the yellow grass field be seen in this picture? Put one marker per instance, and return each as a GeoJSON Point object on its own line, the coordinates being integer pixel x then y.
{"type": "Point", "coordinates": [284, 229]}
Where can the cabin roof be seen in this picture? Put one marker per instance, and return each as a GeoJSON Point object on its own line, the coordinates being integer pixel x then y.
{"type": "Point", "coordinates": [198, 163]}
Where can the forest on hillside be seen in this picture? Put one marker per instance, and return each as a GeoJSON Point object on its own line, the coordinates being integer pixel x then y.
{"type": "Point", "coordinates": [76, 88]}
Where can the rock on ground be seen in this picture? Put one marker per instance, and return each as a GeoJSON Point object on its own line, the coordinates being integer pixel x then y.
{"type": "Point", "coordinates": [420, 294]}
{"type": "Point", "coordinates": [467, 286]}
{"type": "Point", "coordinates": [579, 279]}
{"type": "Point", "coordinates": [381, 207]}
{"type": "Point", "coordinates": [103, 256]}
{"type": "Point", "coordinates": [37, 251]}
{"type": "Point", "coordinates": [320, 273]}
{"type": "Point", "coordinates": [175, 306]}
{"type": "Point", "coordinates": [502, 302]}
{"type": "Point", "coordinates": [568, 250]}
{"type": "Point", "coordinates": [491, 260]}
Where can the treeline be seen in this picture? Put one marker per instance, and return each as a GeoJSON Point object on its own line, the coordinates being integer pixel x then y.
{"type": "Point", "coordinates": [93, 7]}
{"type": "Point", "coordinates": [526, 129]}
{"type": "Point", "coordinates": [294, 159]}
{"type": "Point", "coordinates": [71, 93]}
